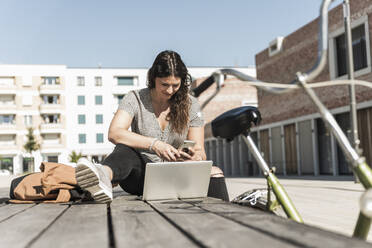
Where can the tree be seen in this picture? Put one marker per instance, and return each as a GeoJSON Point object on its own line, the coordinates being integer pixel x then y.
{"type": "Point", "coordinates": [74, 157]}
{"type": "Point", "coordinates": [31, 144]}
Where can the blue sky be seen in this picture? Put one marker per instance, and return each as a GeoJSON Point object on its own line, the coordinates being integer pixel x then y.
{"type": "Point", "coordinates": [121, 33]}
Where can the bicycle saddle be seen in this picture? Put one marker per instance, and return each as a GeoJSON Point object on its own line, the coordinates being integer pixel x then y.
{"type": "Point", "coordinates": [235, 121]}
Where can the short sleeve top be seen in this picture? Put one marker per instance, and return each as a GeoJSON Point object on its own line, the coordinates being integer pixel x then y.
{"type": "Point", "coordinates": [138, 104]}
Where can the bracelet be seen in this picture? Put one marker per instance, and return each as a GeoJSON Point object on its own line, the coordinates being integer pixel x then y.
{"type": "Point", "coordinates": [152, 144]}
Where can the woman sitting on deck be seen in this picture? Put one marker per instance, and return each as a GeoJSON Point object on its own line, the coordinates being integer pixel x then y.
{"type": "Point", "coordinates": [161, 117]}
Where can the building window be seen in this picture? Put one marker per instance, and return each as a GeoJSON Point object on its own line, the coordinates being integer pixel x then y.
{"type": "Point", "coordinates": [7, 119]}
{"type": "Point", "coordinates": [119, 98]}
{"type": "Point", "coordinates": [125, 80]}
{"type": "Point", "coordinates": [99, 138]}
{"type": "Point", "coordinates": [81, 100]}
{"type": "Point", "coordinates": [28, 120]}
{"type": "Point", "coordinates": [6, 163]}
{"type": "Point", "coordinates": [51, 118]}
{"type": "Point", "coordinates": [50, 99]}
{"type": "Point", "coordinates": [52, 159]}
{"type": "Point", "coordinates": [81, 119]}
{"type": "Point", "coordinates": [99, 119]}
{"type": "Point", "coordinates": [98, 81]}
{"type": "Point", "coordinates": [50, 80]}
{"type": "Point", "coordinates": [98, 100]}
{"type": "Point", "coordinates": [82, 138]}
{"type": "Point", "coordinates": [361, 48]}
{"type": "Point", "coordinates": [80, 81]}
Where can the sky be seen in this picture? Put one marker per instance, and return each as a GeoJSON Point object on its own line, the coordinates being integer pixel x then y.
{"type": "Point", "coordinates": [123, 33]}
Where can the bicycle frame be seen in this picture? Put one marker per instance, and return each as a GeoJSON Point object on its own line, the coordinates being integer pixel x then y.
{"type": "Point", "coordinates": [357, 162]}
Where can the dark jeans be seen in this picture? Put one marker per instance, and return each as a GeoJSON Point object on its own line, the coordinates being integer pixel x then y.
{"type": "Point", "coordinates": [128, 168]}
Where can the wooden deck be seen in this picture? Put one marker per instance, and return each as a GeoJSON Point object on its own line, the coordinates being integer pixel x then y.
{"type": "Point", "coordinates": [130, 222]}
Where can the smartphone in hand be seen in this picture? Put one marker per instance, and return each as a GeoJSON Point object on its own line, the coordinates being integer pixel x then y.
{"type": "Point", "coordinates": [186, 144]}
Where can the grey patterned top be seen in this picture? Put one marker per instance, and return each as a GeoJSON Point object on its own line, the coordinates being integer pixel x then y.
{"type": "Point", "coordinates": [138, 104]}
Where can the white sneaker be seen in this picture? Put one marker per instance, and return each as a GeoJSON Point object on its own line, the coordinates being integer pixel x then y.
{"type": "Point", "coordinates": [92, 178]}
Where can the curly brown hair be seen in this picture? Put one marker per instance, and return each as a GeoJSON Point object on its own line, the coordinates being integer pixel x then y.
{"type": "Point", "coordinates": [169, 63]}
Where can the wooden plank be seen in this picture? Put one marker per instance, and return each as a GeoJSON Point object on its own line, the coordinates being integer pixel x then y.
{"type": "Point", "coordinates": [281, 228]}
{"type": "Point", "coordinates": [212, 230]}
{"type": "Point", "coordinates": [82, 225]}
{"type": "Point", "coordinates": [22, 229]}
{"type": "Point", "coordinates": [9, 210]}
{"type": "Point", "coordinates": [136, 224]}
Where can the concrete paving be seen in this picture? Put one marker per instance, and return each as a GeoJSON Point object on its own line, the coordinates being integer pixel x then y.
{"type": "Point", "coordinates": [326, 202]}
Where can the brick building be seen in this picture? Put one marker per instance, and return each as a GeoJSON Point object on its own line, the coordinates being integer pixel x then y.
{"type": "Point", "coordinates": [292, 136]}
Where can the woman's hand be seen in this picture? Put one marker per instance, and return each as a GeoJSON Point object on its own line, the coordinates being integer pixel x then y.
{"type": "Point", "coordinates": [191, 155]}
{"type": "Point", "coordinates": [166, 151]}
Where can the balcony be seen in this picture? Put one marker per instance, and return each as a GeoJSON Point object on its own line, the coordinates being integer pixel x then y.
{"type": "Point", "coordinates": [7, 85]}
{"type": "Point", "coordinates": [8, 140]}
{"type": "Point", "coordinates": [50, 108]}
{"type": "Point", "coordinates": [50, 85]}
{"type": "Point", "coordinates": [51, 140]}
{"type": "Point", "coordinates": [8, 129]}
{"type": "Point", "coordinates": [7, 102]}
{"type": "Point", "coordinates": [51, 128]}
{"type": "Point", "coordinates": [50, 89]}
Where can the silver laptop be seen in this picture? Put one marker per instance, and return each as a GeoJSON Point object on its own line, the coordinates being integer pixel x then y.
{"type": "Point", "coordinates": [176, 180]}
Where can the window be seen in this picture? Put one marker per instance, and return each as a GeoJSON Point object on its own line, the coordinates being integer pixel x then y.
{"type": "Point", "coordinates": [360, 46]}
{"type": "Point", "coordinates": [50, 80]}
{"type": "Point", "coordinates": [6, 163]}
{"type": "Point", "coordinates": [359, 50]}
{"type": "Point", "coordinates": [50, 118]}
{"type": "Point", "coordinates": [98, 100]}
{"type": "Point", "coordinates": [50, 99]}
{"type": "Point", "coordinates": [81, 100]}
{"type": "Point", "coordinates": [81, 119]}
{"type": "Point", "coordinates": [53, 159]}
{"type": "Point", "coordinates": [28, 120]}
{"type": "Point", "coordinates": [80, 81]}
{"type": "Point", "coordinates": [99, 138]}
{"type": "Point", "coordinates": [125, 80]}
{"type": "Point", "coordinates": [7, 119]}
{"type": "Point", "coordinates": [98, 81]}
{"type": "Point", "coordinates": [82, 138]}
{"type": "Point", "coordinates": [99, 119]}
{"type": "Point", "coordinates": [119, 98]}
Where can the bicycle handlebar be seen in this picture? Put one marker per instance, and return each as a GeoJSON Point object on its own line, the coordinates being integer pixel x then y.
{"type": "Point", "coordinates": [300, 77]}
{"type": "Point", "coordinates": [203, 86]}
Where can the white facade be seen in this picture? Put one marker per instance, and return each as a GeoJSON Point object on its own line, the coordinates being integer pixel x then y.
{"type": "Point", "coordinates": [70, 109]}
{"type": "Point", "coordinates": [89, 88]}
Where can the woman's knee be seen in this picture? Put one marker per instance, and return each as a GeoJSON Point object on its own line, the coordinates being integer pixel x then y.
{"type": "Point", "coordinates": [216, 172]}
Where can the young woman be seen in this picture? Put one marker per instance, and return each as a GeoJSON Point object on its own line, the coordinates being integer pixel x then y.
{"type": "Point", "coordinates": [161, 117]}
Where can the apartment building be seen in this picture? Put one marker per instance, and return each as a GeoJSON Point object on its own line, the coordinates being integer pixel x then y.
{"type": "Point", "coordinates": [94, 95]}
{"type": "Point", "coordinates": [31, 96]}
{"type": "Point", "coordinates": [69, 109]}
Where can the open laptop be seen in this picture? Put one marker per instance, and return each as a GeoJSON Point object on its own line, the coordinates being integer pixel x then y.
{"type": "Point", "coordinates": [176, 180]}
